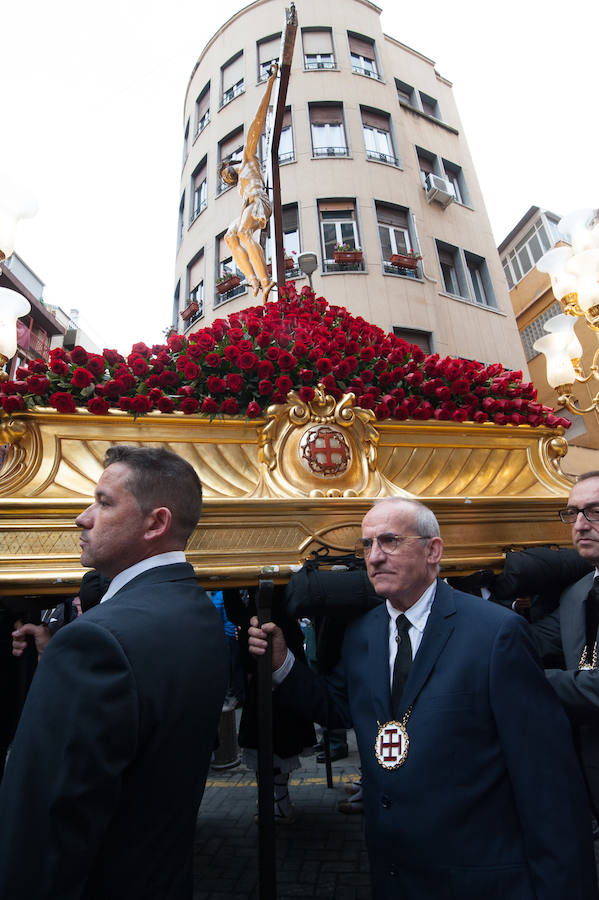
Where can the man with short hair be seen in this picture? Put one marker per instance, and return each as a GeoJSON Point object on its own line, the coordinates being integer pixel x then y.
{"type": "Point", "coordinates": [571, 632]}
{"type": "Point", "coordinates": [100, 794]}
{"type": "Point", "coordinates": [471, 786]}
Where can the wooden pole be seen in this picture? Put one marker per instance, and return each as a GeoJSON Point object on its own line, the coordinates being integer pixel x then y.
{"type": "Point", "coordinates": [267, 867]}
{"type": "Point", "coordinates": [286, 55]}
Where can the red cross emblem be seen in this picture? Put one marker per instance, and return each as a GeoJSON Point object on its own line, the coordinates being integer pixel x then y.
{"type": "Point", "coordinates": [325, 451]}
{"type": "Point", "coordinates": [391, 745]}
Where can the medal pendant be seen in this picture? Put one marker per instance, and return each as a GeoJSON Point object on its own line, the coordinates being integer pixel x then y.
{"type": "Point", "coordinates": [391, 745]}
{"type": "Point", "coordinates": [585, 667]}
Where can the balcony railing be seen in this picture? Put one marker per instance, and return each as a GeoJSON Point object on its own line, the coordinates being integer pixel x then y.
{"type": "Point", "coordinates": [360, 70]}
{"type": "Point", "coordinates": [331, 266]}
{"type": "Point", "coordinates": [231, 93]}
{"type": "Point", "coordinates": [196, 212]}
{"type": "Point", "coordinates": [219, 299]}
{"type": "Point", "coordinates": [202, 123]}
{"type": "Point", "coordinates": [382, 157]}
{"type": "Point", "coordinates": [318, 64]}
{"type": "Point", "coordinates": [39, 344]}
{"type": "Point", "coordinates": [388, 269]}
{"type": "Point", "coordinates": [287, 157]}
{"type": "Point", "coordinates": [330, 151]}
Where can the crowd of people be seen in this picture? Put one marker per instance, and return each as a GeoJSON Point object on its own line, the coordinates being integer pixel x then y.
{"type": "Point", "coordinates": [477, 725]}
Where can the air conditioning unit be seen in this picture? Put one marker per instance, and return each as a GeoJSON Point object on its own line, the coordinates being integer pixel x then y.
{"type": "Point", "coordinates": [438, 189]}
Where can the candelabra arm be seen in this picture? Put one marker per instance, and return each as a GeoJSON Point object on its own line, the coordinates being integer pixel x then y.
{"type": "Point", "coordinates": [566, 400]}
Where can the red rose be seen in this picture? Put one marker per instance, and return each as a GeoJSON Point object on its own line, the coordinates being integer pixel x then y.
{"type": "Point", "coordinates": [96, 365]}
{"type": "Point", "coordinates": [460, 386]}
{"type": "Point", "coordinates": [273, 354]}
{"type": "Point", "coordinates": [367, 354]}
{"type": "Point", "coordinates": [232, 354]}
{"type": "Point", "coordinates": [500, 418]}
{"type": "Point", "coordinates": [307, 394]}
{"type": "Point", "coordinates": [414, 379]}
{"type": "Point", "coordinates": [459, 415]}
{"type": "Point", "coordinates": [59, 367]}
{"type": "Point", "coordinates": [287, 361]}
{"type": "Point", "coordinates": [98, 406]}
{"type": "Point", "coordinates": [253, 325]}
{"type": "Point", "coordinates": [401, 412]}
{"type": "Point", "coordinates": [209, 405]}
{"type": "Point", "coordinates": [212, 360]}
{"type": "Point", "coordinates": [58, 353]}
{"type": "Point", "coordinates": [125, 404]}
{"type": "Point", "coordinates": [204, 340]}
{"type": "Point", "coordinates": [141, 349]}
{"type": "Point", "coordinates": [284, 384]}
{"type": "Point", "coordinates": [112, 357]}
{"type": "Point", "coordinates": [229, 406]}
{"type": "Point", "coordinates": [248, 361]}
{"type": "Point", "coordinates": [81, 378]}
{"type": "Point", "coordinates": [193, 352]}
{"type": "Point", "coordinates": [176, 342]}
{"type": "Point", "coordinates": [114, 388]}
{"type": "Point", "coordinates": [191, 371]}
{"type": "Point", "coordinates": [265, 387]}
{"type": "Point", "coordinates": [181, 363]}
{"type": "Point", "coordinates": [263, 339]}
{"type": "Point", "coordinates": [79, 356]}
{"type": "Point", "coordinates": [165, 405]}
{"type": "Point", "coordinates": [139, 366]}
{"type": "Point", "coordinates": [324, 365]}
{"type": "Point", "coordinates": [63, 402]}
{"type": "Point", "coordinates": [234, 382]}
{"type": "Point", "coordinates": [442, 415]}
{"type": "Point", "coordinates": [306, 376]}
{"type": "Point", "coordinates": [38, 384]}
{"type": "Point", "coordinates": [216, 385]}
{"type": "Point", "coordinates": [186, 390]}
{"type": "Point", "coordinates": [168, 379]}
{"type": "Point", "coordinates": [382, 411]}
{"type": "Point", "coordinates": [265, 369]}
{"type": "Point", "coordinates": [535, 420]}
{"type": "Point", "coordinates": [127, 380]}
{"type": "Point", "coordinates": [12, 403]}
{"type": "Point", "coordinates": [235, 335]}
{"type": "Point", "coordinates": [300, 349]}
{"type": "Point", "coordinates": [245, 346]}
{"type": "Point", "coordinates": [155, 395]}
{"type": "Point", "coordinates": [254, 410]}
{"type": "Point", "coordinates": [140, 404]}
{"type": "Point", "coordinates": [480, 416]}
{"type": "Point", "coordinates": [189, 405]}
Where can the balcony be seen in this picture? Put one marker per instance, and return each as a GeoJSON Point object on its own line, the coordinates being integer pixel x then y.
{"type": "Point", "coordinates": [202, 123]}
{"type": "Point", "coordinates": [196, 212]}
{"type": "Point", "coordinates": [231, 93]}
{"type": "Point", "coordinates": [390, 269]}
{"type": "Point", "coordinates": [223, 297]}
{"type": "Point", "coordinates": [330, 151]}
{"type": "Point", "coordinates": [375, 156]}
{"type": "Point", "coordinates": [361, 70]}
{"type": "Point", "coordinates": [287, 157]}
{"type": "Point", "coordinates": [319, 64]}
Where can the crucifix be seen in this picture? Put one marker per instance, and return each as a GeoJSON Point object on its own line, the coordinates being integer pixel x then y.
{"type": "Point", "coordinates": [257, 206]}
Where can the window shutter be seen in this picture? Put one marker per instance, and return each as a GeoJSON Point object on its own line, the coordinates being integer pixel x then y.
{"type": "Point", "coordinates": [317, 41]}
{"type": "Point", "coordinates": [375, 119]}
{"type": "Point", "coordinates": [361, 46]}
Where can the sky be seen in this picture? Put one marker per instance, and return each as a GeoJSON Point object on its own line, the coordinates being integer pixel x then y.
{"type": "Point", "coordinates": [92, 122]}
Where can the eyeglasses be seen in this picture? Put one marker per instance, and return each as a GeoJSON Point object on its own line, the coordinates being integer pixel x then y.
{"type": "Point", "coordinates": [388, 543]}
{"type": "Point", "coordinates": [570, 514]}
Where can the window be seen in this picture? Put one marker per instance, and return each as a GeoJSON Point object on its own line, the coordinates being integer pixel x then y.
{"type": "Point", "coordinates": [455, 176]}
{"type": "Point", "coordinates": [176, 295]}
{"type": "Point", "coordinates": [195, 283]}
{"type": "Point", "coordinates": [481, 289]}
{"type": "Point", "coordinates": [230, 149]}
{"type": "Point", "coordinates": [291, 239]}
{"type": "Point", "coordinates": [429, 106]}
{"type": "Point", "coordinates": [199, 188]}
{"type": "Point", "coordinates": [452, 271]}
{"type": "Point", "coordinates": [268, 53]}
{"type": "Point", "coordinates": [226, 266]}
{"type": "Point", "coordinates": [363, 57]}
{"type": "Point", "coordinates": [181, 220]}
{"type": "Point", "coordinates": [232, 83]}
{"type": "Point", "coordinates": [465, 275]}
{"type": "Point", "coordinates": [203, 110]}
{"type": "Point", "coordinates": [535, 330]}
{"type": "Point", "coordinates": [328, 132]}
{"type": "Point", "coordinates": [427, 163]}
{"type": "Point", "coordinates": [286, 149]}
{"type": "Point", "coordinates": [318, 48]}
{"type": "Point", "coordinates": [394, 234]}
{"type": "Point", "coordinates": [376, 127]}
{"type": "Point", "coordinates": [422, 339]}
{"type": "Point", "coordinates": [186, 142]}
{"type": "Point", "coordinates": [338, 226]}
{"type": "Point", "coordinates": [529, 249]}
{"type": "Point", "coordinates": [405, 93]}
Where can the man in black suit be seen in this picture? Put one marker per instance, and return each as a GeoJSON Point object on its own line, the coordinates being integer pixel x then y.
{"type": "Point", "coordinates": [471, 785]}
{"type": "Point", "coordinates": [571, 632]}
{"type": "Point", "coordinates": [100, 794]}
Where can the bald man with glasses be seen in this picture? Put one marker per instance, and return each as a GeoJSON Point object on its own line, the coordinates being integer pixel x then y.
{"type": "Point", "coordinates": [471, 784]}
{"type": "Point", "coordinates": [571, 632]}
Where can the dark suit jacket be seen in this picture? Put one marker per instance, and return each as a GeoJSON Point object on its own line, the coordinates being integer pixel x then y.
{"type": "Point", "coordinates": [490, 802]}
{"type": "Point", "coordinates": [564, 632]}
{"type": "Point", "coordinates": [101, 790]}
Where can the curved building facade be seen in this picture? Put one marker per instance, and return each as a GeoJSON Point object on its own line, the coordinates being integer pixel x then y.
{"type": "Point", "coordinates": [372, 156]}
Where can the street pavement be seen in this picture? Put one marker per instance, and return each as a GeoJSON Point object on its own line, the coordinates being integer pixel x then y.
{"type": "Point", "coordinates": [322, 855]}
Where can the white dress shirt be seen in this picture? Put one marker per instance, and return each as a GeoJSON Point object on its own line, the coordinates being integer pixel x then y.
{"type": "Point", "coordinates": [152, 562]}
{"type": "Point", "coordinates": [417, 615]}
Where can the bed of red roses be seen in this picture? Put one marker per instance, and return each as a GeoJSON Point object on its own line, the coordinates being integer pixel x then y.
{"type": "Point", "coordinates": [241, 365]}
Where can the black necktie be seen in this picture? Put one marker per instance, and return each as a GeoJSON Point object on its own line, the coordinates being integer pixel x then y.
{"type": "Point", "coordinates": [592, 616]}
{"type": "Point", "coordinates": [403, 661]}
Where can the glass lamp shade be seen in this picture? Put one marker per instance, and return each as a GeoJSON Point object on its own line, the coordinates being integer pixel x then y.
{"type": "Point", "coordinates": [553, 263]}
{"type": "Point", "coordinates": [12, 306]}
{"type": "Point", "coordinates": [575, 229]}
{"type": "Point", "coordinates": [560, 370]}
{"type": "Point", "coordinates": [565, 324]}
{"type": "Point", "coordinates": [585, 266]}
{"type": "Point", "coordinates": [16, 202]}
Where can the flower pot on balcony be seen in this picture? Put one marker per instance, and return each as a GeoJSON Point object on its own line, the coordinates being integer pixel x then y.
{"type": "Point", "coordinates": [223, 287]}
{"type": "Point", "coordinates": [190, 310]}
{"type": "Point", "coordinates": [347, 256]}
{"type": "Point", "coordinates": [404, 262]}
{"type": "Point", "coordinates": [289, 263]}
